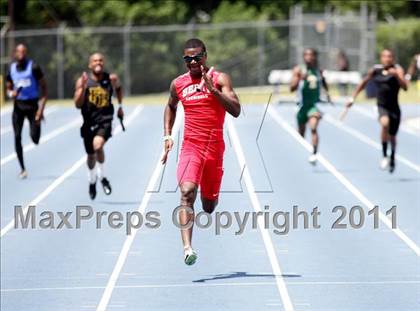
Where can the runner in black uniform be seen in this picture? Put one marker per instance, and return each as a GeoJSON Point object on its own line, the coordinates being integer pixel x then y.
{"type": "Point", "coordinates": [389, 78]}
{"type": "Point", "coordinates": [93, 95]}
{"type": "Point", "coordinates": [23, 82]}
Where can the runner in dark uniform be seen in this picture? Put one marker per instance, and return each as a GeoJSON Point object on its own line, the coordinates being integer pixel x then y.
{"type": "Point", "coordinates": [23, 82]}
{"type": "Point", "coordinates": [388, 78]}
{"type": "Point", "coordinates": [93, 95]}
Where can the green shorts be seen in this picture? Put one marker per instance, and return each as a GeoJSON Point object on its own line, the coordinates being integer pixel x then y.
{"type": "Point", "coordinates": [305, 112]}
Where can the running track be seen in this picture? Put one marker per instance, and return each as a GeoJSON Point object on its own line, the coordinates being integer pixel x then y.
{"type": "Point", "coordinates": [312, 269]}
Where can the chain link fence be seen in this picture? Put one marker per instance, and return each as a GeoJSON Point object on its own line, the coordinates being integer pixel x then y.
{"type": "Point", "coordinates": [147, 58]}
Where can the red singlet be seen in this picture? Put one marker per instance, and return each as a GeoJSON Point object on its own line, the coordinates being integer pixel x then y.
{"type": "Point", "coordinates": [201, 159]}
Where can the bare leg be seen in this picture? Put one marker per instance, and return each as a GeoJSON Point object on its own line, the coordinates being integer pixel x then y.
{"type": "Point", "coordinates": [98, 144]}
{"type": "Point", "coordinates": [313, 124]}
{"type": "Point", "coordinates": [188, 196]}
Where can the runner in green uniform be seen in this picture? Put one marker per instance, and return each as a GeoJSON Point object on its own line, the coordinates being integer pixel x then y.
{"type": "Point", "coordinates": [307, 80]}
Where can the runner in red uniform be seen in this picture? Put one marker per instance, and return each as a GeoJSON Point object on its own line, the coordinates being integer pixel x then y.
{"type": "Point", "coordinates": [201, 160]}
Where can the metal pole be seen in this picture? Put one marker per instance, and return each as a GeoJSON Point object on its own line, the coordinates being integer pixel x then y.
{"type": "Point", "coordinates": [291, 36]}
{"type": "Point", "coordinates": [191, 27]}
{"type": "Point", "coordinates": [329, 62]}
{"type": "Point", "coordinates": [60, 61]}
{"type": "Point", "coordinates": [126, 57]}
{"type": "Point", "coordinates": [363, 39]}
{"type": "Point", "coordinates": [3, 58]}
{"type": "Point", "coordinates": [299, 34]}
{"type": "Point", "coordinates": [11, 22]}
{"type": "Point", "coordinates": [261, 55]}
{"type": "Point", "coordinates": [372, 37]}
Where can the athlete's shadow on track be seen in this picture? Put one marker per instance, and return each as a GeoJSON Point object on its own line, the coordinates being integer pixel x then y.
{"type": "Point", "coordinates": [402, 179]}
{"type": "Point", "coordinates": [50, 177]}
{"type": "Point", "coordinates": [238, 274]}
{"type": "Point", "coordinates": [318, 170]}
{"type": "Point", "coordinates": [135, 203]}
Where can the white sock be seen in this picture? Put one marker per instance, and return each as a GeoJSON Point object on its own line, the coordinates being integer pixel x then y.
{"type": "Point", "coordinates": [100, 170]}
{"type": "Point", "coordinates": [92, 175]}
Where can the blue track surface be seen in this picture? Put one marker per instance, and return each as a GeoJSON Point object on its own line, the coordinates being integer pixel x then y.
{"type": "Point", "coordinates": [322, 269]}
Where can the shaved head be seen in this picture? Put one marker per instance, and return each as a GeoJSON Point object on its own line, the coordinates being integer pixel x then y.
{"type": "Point", "coordinates": [20, 52]}
{"type": "Point", "coordinates": [387, 57]}
{"type": "Point", "coordinates": [96, 55]}
{"type": "Point", "coordinates": [96, 63]}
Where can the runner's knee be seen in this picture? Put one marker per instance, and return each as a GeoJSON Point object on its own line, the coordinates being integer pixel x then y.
{"type": "Point", "coordinates": [384, 122]}
{"type": "Point", "coordinates": [98, 143]}
{"type": "Point", "coordinates": [187, 193]}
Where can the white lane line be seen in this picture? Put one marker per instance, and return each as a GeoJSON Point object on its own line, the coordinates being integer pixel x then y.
{"type": "Point", "coordinates": [363, 138]}
{"type": "Point", "coordinates": [106, 296]}
{"type": "Point", "coordinates": [281, 285]}
{"type": "Point", "coordinates": [373, 114]}
{"type": "Point", "coordinates": [226, 284]}
{"type": "Point", "coordinates": [58, 131]}
{"type": "Point", "coordinates": [346, 183]}
{"type": "Point", "coordinates": [64, 176]}
{"type": "Point", "coordinates": [8, 129]}
{"type": "Point", "coordinates": [413, 123]}
{"type": "Point", "coordinates": [6, 109]}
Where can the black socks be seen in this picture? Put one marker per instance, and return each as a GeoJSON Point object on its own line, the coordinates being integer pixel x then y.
{"type": "Point", "coordinates": [384, 148]}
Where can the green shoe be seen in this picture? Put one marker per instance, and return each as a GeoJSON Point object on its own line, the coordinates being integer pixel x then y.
{"type": "Point", "coordinates": [190, 256]}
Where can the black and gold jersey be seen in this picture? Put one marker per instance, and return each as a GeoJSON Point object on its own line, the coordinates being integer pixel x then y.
{"type": "Point", "coordinates": [97, 107]}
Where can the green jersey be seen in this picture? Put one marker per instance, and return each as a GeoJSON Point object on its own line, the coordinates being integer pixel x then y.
{"type": "Point", "coordinates": [309, 90]}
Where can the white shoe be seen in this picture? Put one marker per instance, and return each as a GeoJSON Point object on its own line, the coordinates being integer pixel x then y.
{"type": "Point", "coordinates": [384, 163]}
{"type": "Point", "coordinates": [190, 256]}
{"type": "Point", "coordinates": [23, 174]}
{"type": "Point", "coordinates": [312, 159]}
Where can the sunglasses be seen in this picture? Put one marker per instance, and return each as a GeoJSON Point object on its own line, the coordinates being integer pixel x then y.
{"type": "Point", "coordinates": [197, 58]}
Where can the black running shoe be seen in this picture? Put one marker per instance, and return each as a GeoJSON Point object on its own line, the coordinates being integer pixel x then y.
{"type": "Point", "coordinates": [92, 191]}
{"type": "Point", "coordinates": [392, 165]}
{"type": "Point", "coordinates": [106, 185]}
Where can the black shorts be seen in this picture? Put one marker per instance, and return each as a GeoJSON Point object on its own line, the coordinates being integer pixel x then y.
{"type": "Point", "coordinates": [88, 132]}
{"type": "Point", "coordinates": [394, 119]}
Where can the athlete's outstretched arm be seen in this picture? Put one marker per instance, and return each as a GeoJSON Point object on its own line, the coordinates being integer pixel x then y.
{"type": "Point", "coordinates": [43, 99]}
{"type": "Point", "coordinates": [118, 91]}
{"type": "Point", "coordinates": [79, 92]}
{"type": "Point", "coordinates": [296, 77]}
{"type": "Point", "coordinates": [226, 96]}
{"type": "Point", "coordinates": [115, 81]}
{"type": "Point", "coordinates": [169, 119]}
{"type": "Point", "coordinates": [360, 87]}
